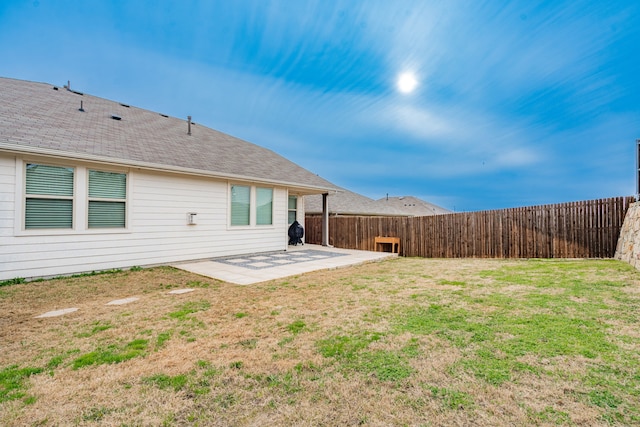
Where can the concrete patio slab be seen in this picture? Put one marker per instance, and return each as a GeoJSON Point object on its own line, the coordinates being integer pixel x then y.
{"type": "Point", "coordinates": [244, 270]}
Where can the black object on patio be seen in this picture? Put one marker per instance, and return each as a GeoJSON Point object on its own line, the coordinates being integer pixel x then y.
{"type": "Point", "coordinates": [296, 232]}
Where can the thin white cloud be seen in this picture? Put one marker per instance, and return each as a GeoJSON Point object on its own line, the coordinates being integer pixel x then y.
{"type": "Point", "coordinates": [515, 158]}
{"type": "Point", "coordinates": [468, 136]}
{"type": "Point", "coordinates": [420, 122]}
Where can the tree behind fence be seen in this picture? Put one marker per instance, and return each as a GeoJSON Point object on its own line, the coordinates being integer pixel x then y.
{"type": "Point", "coordinates": [587, 229]}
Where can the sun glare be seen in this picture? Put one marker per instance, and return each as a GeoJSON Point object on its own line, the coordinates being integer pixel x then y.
{"type": "Point", "coordinates": [407, 82]}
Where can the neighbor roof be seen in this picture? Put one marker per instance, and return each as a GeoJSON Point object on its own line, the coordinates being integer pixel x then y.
{"type": "Point", "coordinates": [346, 202]}
{"type": "Point", "coordinates": [412, 206]}
{"type": "Point", "coordinates": [42, 118]}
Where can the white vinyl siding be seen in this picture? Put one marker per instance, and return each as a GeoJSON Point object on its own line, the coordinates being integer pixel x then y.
{"type": "Point", "coordinates": [264, 206]}
{"type": "Point", "coordinates": [240, 205]}
{"type": "Point", "coordinates": [157, 229]}
{"type": "Point", "coordinates": [107, 199]}
{"type": "Point", "coordinates": [8, 199]}
{"type": "Point", "coordinates": [48, 196]}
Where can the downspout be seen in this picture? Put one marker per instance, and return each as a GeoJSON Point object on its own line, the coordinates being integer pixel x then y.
{"type": "Point", "coordinates": [325, 219]}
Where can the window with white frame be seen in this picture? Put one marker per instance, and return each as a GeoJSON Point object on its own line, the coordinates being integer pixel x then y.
{"type": "Point", "coordinates": [240, 205]}
{"type": "Point", "coordinates": [292, 209]}
{"type": "Point", "coordinates": [251, 205]}
{"type": "Point", "coordinates": [49, 193]}
{"type": "Point", "coordinates": [107, 199]}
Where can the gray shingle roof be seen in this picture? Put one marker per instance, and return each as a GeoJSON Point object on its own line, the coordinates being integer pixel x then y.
{"type": "Point", "coordinates": [34, 117]}
{"type": "Point", "coordinates": [347, 202]}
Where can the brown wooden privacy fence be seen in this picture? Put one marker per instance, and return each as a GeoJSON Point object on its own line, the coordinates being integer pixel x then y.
{"type": "Point", "coordinates": [587, 229]}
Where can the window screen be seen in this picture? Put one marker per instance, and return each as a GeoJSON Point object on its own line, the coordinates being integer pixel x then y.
{"type": "Point", "coordinates": [293, 209]}
{"type": "Point", "coordinates": [49, 197]}
{"type": "Point", "coordinates": [240, 204]}
{"type": "Point", "coordinates": [107, 199]}
{"type": "Point", "coordinates": [264, 206]}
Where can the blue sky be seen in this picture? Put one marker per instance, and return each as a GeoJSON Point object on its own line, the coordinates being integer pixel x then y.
{"type": "Point", "coordinates": [517, 102]}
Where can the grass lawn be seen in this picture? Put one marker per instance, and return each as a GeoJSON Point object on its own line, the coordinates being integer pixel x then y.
{"type": "Point", "coordinates": [400, 342]}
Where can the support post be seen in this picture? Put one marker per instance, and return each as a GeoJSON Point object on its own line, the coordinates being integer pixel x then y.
{"type": "Point", "coordinates": [325, 219]}
{"type": "Point", "coordinates": [637, 169]}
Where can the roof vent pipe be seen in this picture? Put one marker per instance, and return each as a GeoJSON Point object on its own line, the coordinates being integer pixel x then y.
{"type": "Point", "coordinates": [188, 125]}
{"type": "Point", "coordinates": [81, 108]}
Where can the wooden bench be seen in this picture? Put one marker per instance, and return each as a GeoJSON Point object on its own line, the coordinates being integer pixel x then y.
{"type": "Point", "coordinates": [393, 241]}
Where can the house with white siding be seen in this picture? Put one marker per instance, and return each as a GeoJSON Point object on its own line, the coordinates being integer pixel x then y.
{"type": "Point", "coordinates": [89, 184]}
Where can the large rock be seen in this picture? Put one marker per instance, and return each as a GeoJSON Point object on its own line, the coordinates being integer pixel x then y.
{"type": "Point", "coordinates": [628, 248]}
